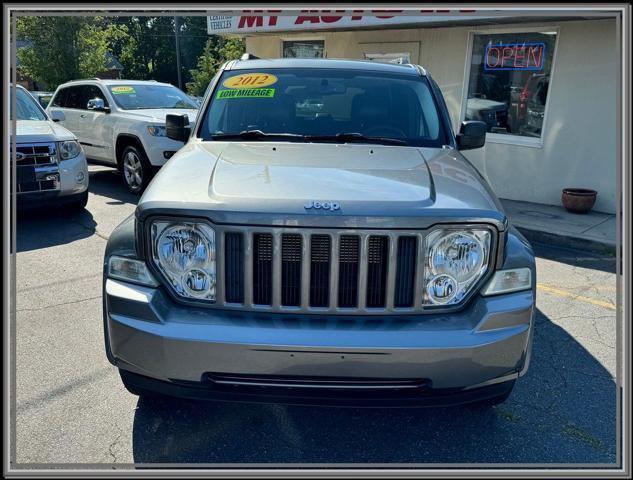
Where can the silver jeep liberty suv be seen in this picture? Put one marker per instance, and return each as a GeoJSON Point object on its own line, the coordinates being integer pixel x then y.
{"type": "Point", "coordinates": [320, 239]}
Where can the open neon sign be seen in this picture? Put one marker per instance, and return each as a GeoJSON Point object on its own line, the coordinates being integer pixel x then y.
{"type": "Point", "coordinates": [515, 56]}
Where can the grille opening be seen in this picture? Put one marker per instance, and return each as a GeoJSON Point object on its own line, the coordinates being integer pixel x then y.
{"type": "Point", "coordinates": [349, 262]}
{"type": "Point", "coordinates": [377, 264]}
{"type": "Point", "coordinates": [234, 267]}
{"type": "Point", "coordinates": [262, 268]}
{"type": "Point", "coordinates": [405, 272]}
{"type": "Point", "coordinates": [291, 255]}
{"type": "Point", "coordinates": [320, 247]}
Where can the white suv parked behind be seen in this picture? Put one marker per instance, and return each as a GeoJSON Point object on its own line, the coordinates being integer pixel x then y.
{"type": "Point", "coordinates": [121, 123]}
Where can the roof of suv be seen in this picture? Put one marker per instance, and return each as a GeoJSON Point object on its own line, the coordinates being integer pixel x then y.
{"type": "Point", "coordinates": [112, 82]}
{"type": "Point", "coordinates": [325, 63]}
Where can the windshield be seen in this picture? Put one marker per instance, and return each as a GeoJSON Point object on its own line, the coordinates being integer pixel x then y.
{"type": "Point", "coordinates": [27, 107]}
{"type": "Point", "coordinates": [324, 105]}
{"type": "Point", "coordinates": [143, 96]}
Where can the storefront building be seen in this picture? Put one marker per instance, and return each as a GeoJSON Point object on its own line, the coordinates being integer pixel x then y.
{"type": "Point", "coordinates": [546, 86]}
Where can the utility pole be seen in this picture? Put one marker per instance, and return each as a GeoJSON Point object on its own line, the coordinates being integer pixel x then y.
{"type": "Point", "coordinates": [177, 29]}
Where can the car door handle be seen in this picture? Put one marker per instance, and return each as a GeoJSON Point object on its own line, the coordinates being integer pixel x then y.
{"type": "Point", "coordinates": [83, 115]}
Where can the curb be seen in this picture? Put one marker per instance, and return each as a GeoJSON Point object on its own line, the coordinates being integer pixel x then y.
{"type": "Point", "coordinates": [559, 240]}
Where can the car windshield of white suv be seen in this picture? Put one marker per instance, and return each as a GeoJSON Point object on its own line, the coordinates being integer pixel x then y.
{"type": "Point", "coordinates": [324, 105]}
{"type": "Point", "coordinates": [26, 107]}
{"type": "Point", "coordinates": [142, 96]}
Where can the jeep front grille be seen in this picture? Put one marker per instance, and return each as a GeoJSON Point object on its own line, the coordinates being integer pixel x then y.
{"type": "Point", "coordinates": [318, 270]}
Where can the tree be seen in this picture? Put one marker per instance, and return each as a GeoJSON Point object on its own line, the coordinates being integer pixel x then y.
{"type": "Point", "coordinates": [64, 48]}
{"type": "Point", "coordinates": [211, 59]}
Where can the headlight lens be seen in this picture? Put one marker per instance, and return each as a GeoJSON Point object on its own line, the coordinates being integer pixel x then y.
{"type": "Point", "coordinates": [156, 130]}
{"type": "Point", "coordinates": [455, 261]}
{"type": "Point", "coordinates": [69, 149]}
{"type": "Point", "coordinates": [185, 254]}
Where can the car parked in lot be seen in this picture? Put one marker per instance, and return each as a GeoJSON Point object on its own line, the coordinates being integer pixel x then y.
{"type": "Point", "coordinates": [43, 97]}
{"type": "Point", "coordinates": [352, 256]}
{"type": "Point", "coordinates": [121, 123]}
{"type": "Point", "coordinates": [50, 165]}
{"type": "Point", "coordinates": [493, 113]}
{"type": "Point", "coordinates": [532, 105]}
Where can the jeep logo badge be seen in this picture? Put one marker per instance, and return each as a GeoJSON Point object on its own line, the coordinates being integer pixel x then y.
{"type": "Point", "coordinates": [331, 206]}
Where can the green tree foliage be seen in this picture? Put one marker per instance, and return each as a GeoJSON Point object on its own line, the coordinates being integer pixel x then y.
{"type": "Point", "coordinates": [68, 48]}
{"type": "Point", "coordinates": [216, 51]}
{"type": "Point", "coordinates": [65, 48]}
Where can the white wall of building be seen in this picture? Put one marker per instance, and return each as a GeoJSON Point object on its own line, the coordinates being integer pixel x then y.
{"type": "Point", "coordinates": [579, 144]}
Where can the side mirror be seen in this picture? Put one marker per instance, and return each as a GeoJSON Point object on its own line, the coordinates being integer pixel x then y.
{"type": "Point", "coordinates": [97, 104]}
{"type": "Point", "coordinates": [57, 116]}
{"type": "Point", "coordinates": [177, 127]}
{"type": "Point", "coordinates": [472, 134]}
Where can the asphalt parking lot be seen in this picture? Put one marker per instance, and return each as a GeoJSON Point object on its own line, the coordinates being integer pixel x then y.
{"type": "Point", "coordinates": [71, 407]}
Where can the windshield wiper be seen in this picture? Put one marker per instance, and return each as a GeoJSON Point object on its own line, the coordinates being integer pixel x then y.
{"type": "Point", "coordinates": [356, 137]}
{"type": "Point", "coordinates": [257, 135]}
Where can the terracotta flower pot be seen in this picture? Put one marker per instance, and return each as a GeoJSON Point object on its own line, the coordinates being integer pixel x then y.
{"type": "Point", "coordinates": [579, 200]}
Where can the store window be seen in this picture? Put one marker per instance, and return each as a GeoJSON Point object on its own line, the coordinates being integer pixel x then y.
{"type": "Point", "coordinates": [509, 80]}
{"type": "Point", "coordinates": [304, 49]}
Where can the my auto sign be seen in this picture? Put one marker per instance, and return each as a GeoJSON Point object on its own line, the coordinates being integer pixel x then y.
{"type": "Point", "coordinates": [251, 21]}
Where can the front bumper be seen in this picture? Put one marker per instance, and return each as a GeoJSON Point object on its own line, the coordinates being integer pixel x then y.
{"type": "Point", "coordinates": [148, 334]}
{"type": "Point", "coordinates": [155, 148]}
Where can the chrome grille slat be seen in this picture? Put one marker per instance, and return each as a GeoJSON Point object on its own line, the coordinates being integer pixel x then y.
{"type": "Point", "coordinates": [276, 271]}
{"type": "Point", "coordinates": [391, 271]}
{"type": "Point", "coordinates": [248, 269]}
{"type": "Point", "coordinates": [362, 273]}
{"type": "Point", "coordinates": [334, 268]}
{"type": "Point", "coordinates": [305, 271]}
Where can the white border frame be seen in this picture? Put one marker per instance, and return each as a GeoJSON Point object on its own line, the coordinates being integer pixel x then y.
{"type": "Point", "coordinates": [510, 139]}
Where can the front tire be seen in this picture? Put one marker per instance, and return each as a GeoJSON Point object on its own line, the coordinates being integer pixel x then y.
{"type": "Point", "coordinates": [135, 169]}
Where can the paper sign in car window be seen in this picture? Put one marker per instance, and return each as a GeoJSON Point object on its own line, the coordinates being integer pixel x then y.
{"type": "Point", "coordinates": [246, 93]}
{"type": "Point", "coordinates": [122, 90]}
{"type": "Point", "coordinates": [250, 80]}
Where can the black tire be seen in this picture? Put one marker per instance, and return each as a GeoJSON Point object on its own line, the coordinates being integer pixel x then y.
{"type": "Point", "coordinates": [135, 168]}
{"type": "Point", "coordinates": [497, 400]}
{"type": "Point", "coordinates": [78, 205]}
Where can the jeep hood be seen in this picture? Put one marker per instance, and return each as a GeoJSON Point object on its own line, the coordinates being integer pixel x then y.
{"type": "Point", "coordinates": [254, 182]}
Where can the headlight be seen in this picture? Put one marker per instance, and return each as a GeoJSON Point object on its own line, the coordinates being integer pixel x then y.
{"type": "Point", "coordinates": [156, 130]}
{"type": "Point", "coordinates": [455, 261]}
{"type": "Point", "coordinates": [185, 255]}
{"type": "Point", "coordinates": [69, 149]}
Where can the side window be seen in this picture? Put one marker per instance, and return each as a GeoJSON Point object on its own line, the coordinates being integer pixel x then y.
{"type": "Point", "coordinates": [60, 98]}
{"type": "Point", "coordinates": [74, 97]}
{"type": "Point", "coordinates": [93, 91]}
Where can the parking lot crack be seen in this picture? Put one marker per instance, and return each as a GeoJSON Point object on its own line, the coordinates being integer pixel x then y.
{"type": "Point", "coordinates": [111, 447]}
{"type": "Point", "coordinates": [57, 304]}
